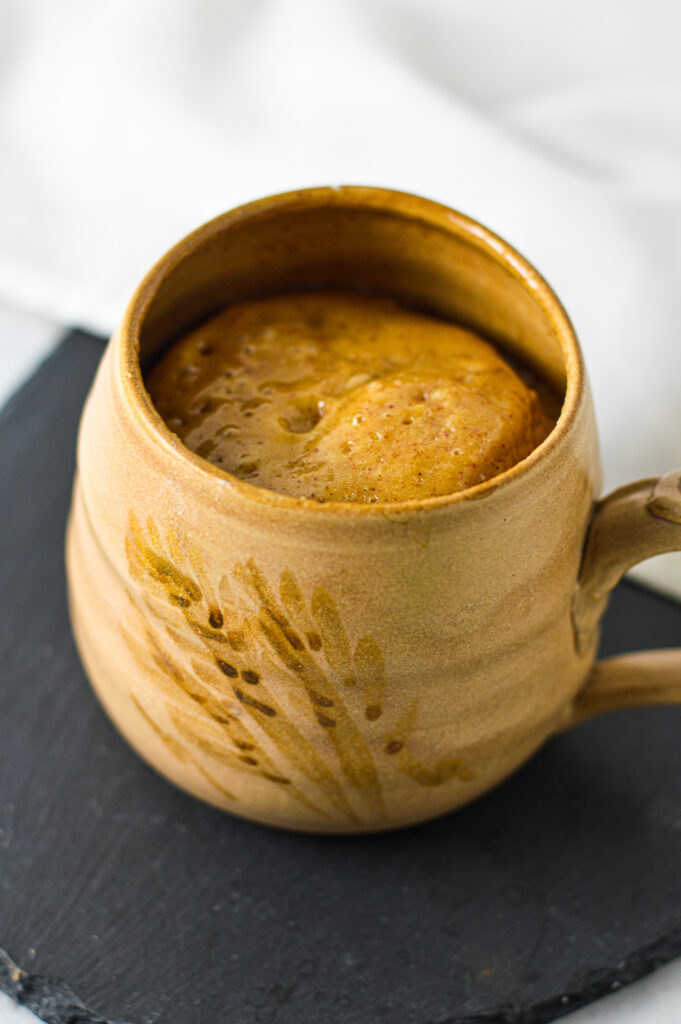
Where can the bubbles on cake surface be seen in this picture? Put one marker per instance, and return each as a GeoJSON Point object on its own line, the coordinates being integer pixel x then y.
{"type": "Point", "coordinates": [333, 396]}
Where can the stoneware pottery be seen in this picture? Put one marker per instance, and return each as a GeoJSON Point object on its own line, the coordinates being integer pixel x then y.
{"type": "Point", "coordinates": [339, 667]}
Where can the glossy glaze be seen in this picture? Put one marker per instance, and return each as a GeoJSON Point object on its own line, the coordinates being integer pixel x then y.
{"type": "Point", "coordinates": [345, 667]}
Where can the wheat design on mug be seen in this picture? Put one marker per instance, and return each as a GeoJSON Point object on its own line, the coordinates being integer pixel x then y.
{"type": "Point", "coordinates": [264, 683]}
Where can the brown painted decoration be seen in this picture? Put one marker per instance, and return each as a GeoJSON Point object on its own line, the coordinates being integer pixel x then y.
{"type": "Point", "coordinates": [350, 667]}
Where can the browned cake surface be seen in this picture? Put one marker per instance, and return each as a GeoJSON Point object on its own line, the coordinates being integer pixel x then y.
{"type": "Point", "coordinates": [339, 397]}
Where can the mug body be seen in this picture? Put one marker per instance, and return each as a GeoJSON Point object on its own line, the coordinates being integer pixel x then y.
{"type": "Point", "coordinates": [332, 668]}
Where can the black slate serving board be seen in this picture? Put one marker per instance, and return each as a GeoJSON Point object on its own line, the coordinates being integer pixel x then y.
{"type": "Point", "coordinates": [121, 894]}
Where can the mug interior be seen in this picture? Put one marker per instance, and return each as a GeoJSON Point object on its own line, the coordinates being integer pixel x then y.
{"type": "Point", "coordinates": [369, 240]}
{"type": "Point", "coordinates": [409, 249]}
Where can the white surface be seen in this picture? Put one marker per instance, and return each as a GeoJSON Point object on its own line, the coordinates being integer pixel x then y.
{"type": "Point", "coordinates": [124, 125]}
{"type": "Point", "coordinates": [25, 339]}
{"type": "Point", "coordinates": [653, 1000]}
{"type": "Point", "coordinates": [11, 1013]}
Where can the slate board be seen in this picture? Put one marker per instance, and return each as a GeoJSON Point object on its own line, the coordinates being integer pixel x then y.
{"type": "Point", "coordinates": [556, 888]}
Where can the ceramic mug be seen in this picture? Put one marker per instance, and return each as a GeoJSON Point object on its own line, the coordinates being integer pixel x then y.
{"type": "Point", "coordinates": [339, 667]}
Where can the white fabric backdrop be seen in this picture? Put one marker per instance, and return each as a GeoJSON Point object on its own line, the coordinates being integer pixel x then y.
{"type": "Point", "coordinates": [123, 126]}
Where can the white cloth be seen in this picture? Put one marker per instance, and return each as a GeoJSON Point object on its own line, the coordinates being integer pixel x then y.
{"type": "Point", "coordinates": [123, 126]}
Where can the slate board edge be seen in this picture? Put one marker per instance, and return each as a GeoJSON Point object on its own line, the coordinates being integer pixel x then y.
{"type": "Point", "coordinates": [48, 998]}
{"type": "Point", "coordinates": [54, 1002]}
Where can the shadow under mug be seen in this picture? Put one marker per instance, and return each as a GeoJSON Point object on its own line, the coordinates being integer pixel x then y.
{"type": "Point", "coordinates": [338, 667]}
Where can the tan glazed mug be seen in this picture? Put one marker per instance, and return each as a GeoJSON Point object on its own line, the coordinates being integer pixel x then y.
{"type": "Point", "coordinates": [340, 667]}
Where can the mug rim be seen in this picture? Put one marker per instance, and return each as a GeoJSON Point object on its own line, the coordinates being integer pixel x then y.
{"type": "Point", "coordinates": [410, 206]}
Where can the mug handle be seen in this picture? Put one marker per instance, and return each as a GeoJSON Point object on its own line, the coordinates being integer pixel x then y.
{"type": "Point", "coordinates": [631, 524]}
